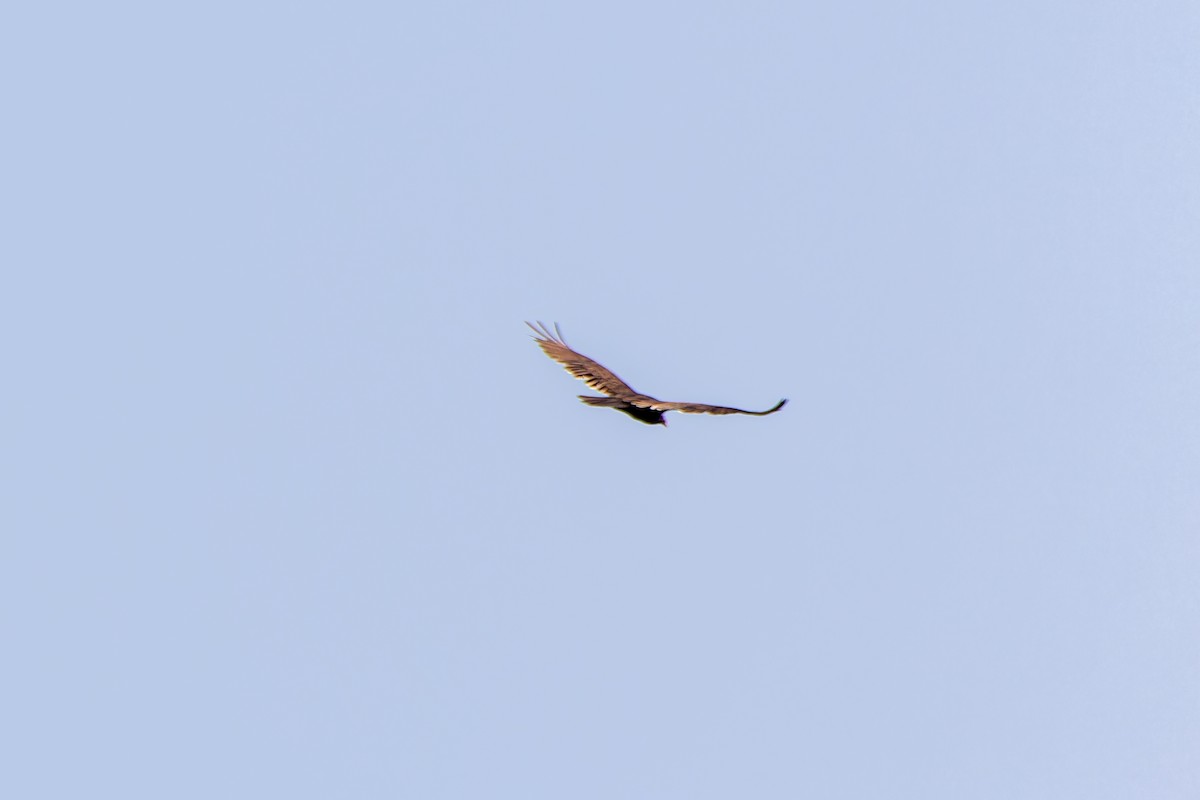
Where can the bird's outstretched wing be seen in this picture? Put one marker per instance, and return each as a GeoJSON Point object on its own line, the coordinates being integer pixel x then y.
{"type": "Point", "coordinates": [595, 375]}
{"type": "Point", "coordinates": [700, 408]}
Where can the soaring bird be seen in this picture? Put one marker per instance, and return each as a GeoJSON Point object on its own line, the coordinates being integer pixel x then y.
{"type": "Point", "coordinates": [620, 395]}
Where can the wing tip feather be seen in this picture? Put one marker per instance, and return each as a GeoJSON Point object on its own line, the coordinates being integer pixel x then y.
{"type": "Point", "coordinates": [542, 333]}
{"type": "Point", "coordinates": [776, 407]}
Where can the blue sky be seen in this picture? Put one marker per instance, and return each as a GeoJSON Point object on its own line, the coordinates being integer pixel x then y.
{"type": "Point", "coordinates": [293, 506]}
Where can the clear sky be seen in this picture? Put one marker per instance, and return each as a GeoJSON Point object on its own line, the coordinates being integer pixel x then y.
{"type": "Point", "coordinates": [293, 507]}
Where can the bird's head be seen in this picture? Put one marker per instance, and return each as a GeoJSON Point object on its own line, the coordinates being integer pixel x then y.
{"type": "Point", "coordinates": [663, 420]}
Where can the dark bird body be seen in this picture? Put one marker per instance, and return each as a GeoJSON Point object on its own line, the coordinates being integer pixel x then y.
{"type": "Point", "coordinates": [620, 395]}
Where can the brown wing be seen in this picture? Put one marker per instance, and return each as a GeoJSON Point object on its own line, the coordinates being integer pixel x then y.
{"type": "Point", "coordinates": [593, 374]}
{"type": "Point", "coordinates": [701, 408]}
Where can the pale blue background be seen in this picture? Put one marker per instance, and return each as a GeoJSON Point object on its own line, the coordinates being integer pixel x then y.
{"type": "Point", "coordinates": [292, 506]}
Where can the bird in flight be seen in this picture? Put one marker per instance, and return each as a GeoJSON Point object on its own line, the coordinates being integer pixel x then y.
{"type": "Point", "coordinates": [620, 395]}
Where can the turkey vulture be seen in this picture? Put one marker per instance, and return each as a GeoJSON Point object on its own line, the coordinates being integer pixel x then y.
{"type": "Point", "coordinates": [621, 395]}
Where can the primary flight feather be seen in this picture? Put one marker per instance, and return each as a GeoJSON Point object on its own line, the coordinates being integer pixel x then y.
{"type": "Point", "coordinates": [619, 394]}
